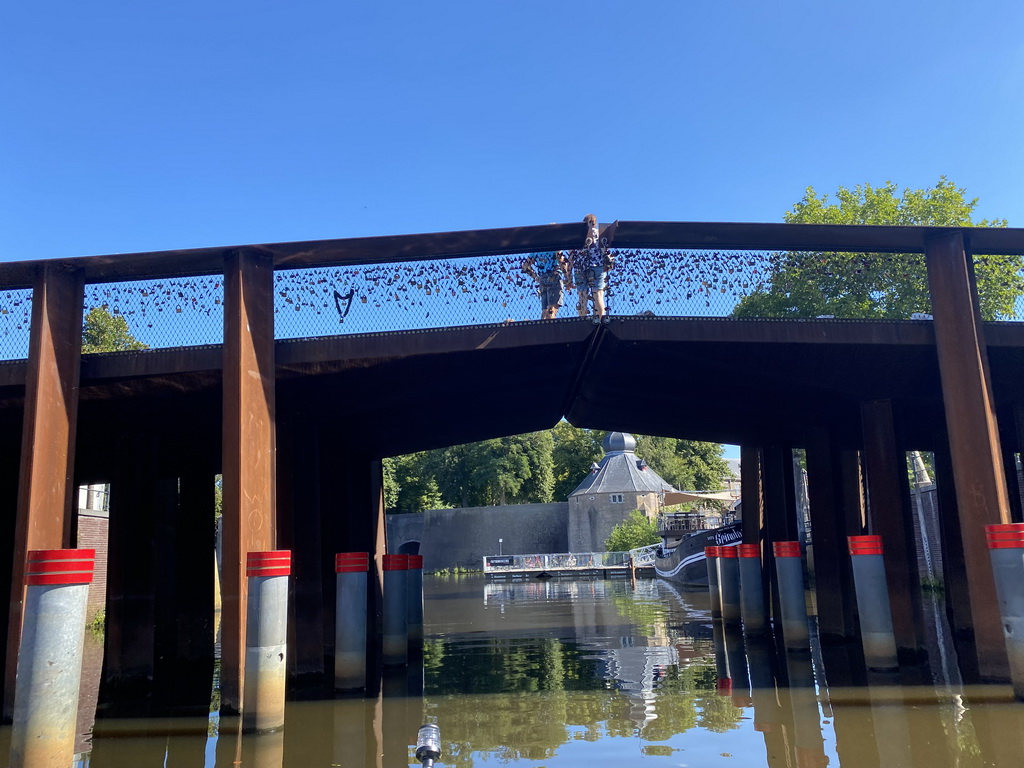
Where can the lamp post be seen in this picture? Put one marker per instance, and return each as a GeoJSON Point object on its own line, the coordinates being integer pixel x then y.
{"type": "Point", "coordinates": [499, 546]}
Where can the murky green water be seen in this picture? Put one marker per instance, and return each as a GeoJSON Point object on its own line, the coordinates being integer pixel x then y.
{"type": "Point", "coordinates": [565, 674]}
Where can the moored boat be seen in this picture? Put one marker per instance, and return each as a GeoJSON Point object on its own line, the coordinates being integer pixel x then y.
{"type": "Point", "coordinates": [683, 539]}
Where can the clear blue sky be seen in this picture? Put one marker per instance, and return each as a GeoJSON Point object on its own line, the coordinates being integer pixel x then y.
{"type": "Point", "coordinates": [132, 126]}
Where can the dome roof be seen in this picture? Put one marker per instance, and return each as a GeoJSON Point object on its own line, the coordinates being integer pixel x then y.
{"type": "Point", "coordinates": [619, 441]}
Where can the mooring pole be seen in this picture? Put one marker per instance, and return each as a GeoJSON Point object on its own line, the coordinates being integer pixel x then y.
{"type": "Point", "coordinates": [792, 606]}
{"type": "Point", "coordinates": [414, 604]}
{"type": "Point", "coordinates": [50, 659]}
{"type": "Point", "coordinates": [396, 609]}
{"type": "Point", "coordinates": [729, 584]}
{"type": "Point", "coordinates": [1006, 550]}
{"type": "Point", "coordinates": [266, 643]}
{"type": "Point", "coordinates": [350, 620]}
{"type": "Point", "coordinates": [876, 630]}
{"type": "Point", "coordinates": [752, 610]}
{"type": "Point", "coordinates": [714, 591]}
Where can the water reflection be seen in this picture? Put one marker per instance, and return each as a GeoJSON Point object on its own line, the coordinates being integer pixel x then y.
{"type": "Point", "coordinates": [570, 673]}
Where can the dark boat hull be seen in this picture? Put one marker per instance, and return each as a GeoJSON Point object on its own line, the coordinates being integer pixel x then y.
{"type": "Point", "coordinates": [685, 565]}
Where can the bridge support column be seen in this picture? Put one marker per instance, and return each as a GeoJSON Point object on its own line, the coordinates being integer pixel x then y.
{"type": "Point", "coordinates": [779, 514]}
{"type": "Point", "coordinates": [890, 516]}
{"type": "Point", "coordinates": [249, 523]}
{"type": "Point", "coordinates": [833, 517]}
{"type": "Point", "coordinates": [752, 493]}
{"type": "Point", "coordinates": [45, 488]}
{"type": "Point", "coordinates": [973, 433]}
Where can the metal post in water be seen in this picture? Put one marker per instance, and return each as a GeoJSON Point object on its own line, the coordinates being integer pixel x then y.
{"type": "Point", "coordinates": [755, 620]}
{"type": "Point", "coordinates": [414, 603]}
{"type": "Point", "coordinates": [790, 573]}
{"type": "Point", "coordinates": [1006, 550]}
{"type": "Point", "coordinates": [711, 558]}
{"type": "Point", "coordinates": [266, 640]}
{"type": "Point", "coordinates": [350, 620]}
{"type": "Point", "coordinates": [729, 584]}
{"type": "Point", "coordinates": [876, 630]}
{"type": "Point", "coordinates": [50, 657]}
{"type": "Point", "coordinates": [396, 633]}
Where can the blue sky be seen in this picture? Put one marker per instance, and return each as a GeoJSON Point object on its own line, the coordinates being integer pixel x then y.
{"type": "Point", "coordinates": [134, 126]}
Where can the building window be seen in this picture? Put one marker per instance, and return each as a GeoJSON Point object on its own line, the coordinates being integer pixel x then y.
{"type": "Point", "coordinates": [617, 498]}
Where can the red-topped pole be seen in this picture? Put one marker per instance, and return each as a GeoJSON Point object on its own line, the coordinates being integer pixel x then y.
{"type": "Point", "coordinates": [714, 591]}
{"type": "Point", "coordinates": [729, 584]}
{"type": "Point", "coordinates": [396, 632]}
{"type": "Point", "coordinates": [790, 573]}
{"type": "Point", "coordinates": [350, 620]}
{"type": "Point", "coordinates": [414, 603]}
{"type": "Point", "coordinates": [876, 628]}
{"type": "Point", "coordinates": [266, 640]}
{"type": "Point", "coordinates": [50, 657]}
{"type": "Point", "coordinates": [1006, 550]}
{"type": "Point", "coordinates": [755, 620]}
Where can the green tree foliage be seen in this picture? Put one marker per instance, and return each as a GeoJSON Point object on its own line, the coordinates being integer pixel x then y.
{"type": "Point", "coordinates": [686, 464]}
{"type": "Point", "coordinates": [104, 332]}
{"type": "Point", "coordinates": [574, 451]}
{"type": "Point", "coordinates": [411, 486]}
{"type": "Point", "coordinates": [637, 530]}
{"type": "Point", "coordinates": [878, 285]}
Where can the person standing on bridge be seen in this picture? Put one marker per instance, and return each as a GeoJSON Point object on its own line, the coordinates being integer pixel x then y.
{"type": "Point", "coordinates": [551, 271]}
{"type": "Point", "coordinates": [590, 267]}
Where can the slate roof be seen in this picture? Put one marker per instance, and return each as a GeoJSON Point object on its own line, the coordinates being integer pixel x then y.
{"type": "Point", "coordinates": [620, 470]}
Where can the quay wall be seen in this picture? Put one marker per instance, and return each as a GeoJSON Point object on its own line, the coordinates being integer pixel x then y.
{"type": "Point", "coordinates": [449, 538]}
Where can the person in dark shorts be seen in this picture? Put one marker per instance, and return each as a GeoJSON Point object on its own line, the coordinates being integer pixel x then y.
{"type": "Point", "coordinates": [590, 267]}
{"type": "Point", "coordinates": [550, 270]}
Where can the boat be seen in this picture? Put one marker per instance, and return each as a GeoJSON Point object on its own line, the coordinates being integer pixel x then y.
{"type": "Point", "coordinates": [684, 535]}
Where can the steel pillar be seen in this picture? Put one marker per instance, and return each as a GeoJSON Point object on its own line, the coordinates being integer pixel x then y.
{"type": "Point", "coordinates": [973, 433]}
{"type": "Point", "coordinates": [45, 488]}
{"type": "Point", "coordinates": [249, 519]}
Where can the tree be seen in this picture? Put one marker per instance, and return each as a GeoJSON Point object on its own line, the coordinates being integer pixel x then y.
{"type": "Point", "coordinates": [686, 464]}
{"type": "Point", "coordinates": [573, 451]}
{"type": "Point", "coordinates": [878, 285]}
{"type": "Point", "coordinates": [637, 530]}
{"type": "Point", "coordinates": [104, 332]}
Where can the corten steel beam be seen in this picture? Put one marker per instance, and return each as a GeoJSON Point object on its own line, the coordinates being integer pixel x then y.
{"type": "Point", "coordinates": [45, 489]}
{"type": "Point", "coordinates": [780, 518]}
{"type": "Point", "coordinates": [441, 245]}
{"type": "Point", "coordinates": [973, 434]}
{"type": "Point", "coordinates": [831, 524]}
{"type": "Point", "coordinates": [249, 523]}
{"type": "Point", "coordinates": [752, 492]}
{"type": "Point", "coordinates": [889, 515]}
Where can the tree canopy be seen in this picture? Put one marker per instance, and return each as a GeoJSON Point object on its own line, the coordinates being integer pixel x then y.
{"type": "Point", "coordinates": [878, 285]}
{"type": "Point", "coordinates": [104, 332]}
{"type": "Point", "coordinates": [537, 467]}
{"type": "Point", "coordinates": [637, 530]}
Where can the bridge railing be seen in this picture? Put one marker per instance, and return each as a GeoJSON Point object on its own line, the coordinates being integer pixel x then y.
{"type": "Point", "coordinates": [564, 561]}
{"type": "Point", "coordinates": [422, 282]}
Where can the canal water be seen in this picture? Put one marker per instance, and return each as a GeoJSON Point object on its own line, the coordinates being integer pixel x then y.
{"type": "Point", "coordinates": [566, 674]}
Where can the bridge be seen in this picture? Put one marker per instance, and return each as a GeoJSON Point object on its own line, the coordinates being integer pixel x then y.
{"type": "Point", "coordinates": [293, 369]}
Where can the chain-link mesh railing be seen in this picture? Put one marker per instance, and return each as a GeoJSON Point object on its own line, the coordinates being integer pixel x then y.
{"type": "Point", "coordinates": [147, 314]}
{"type": "Point", "coordinates": [494, 289]}
{"type": "Point", "coordinates": [15, 323]}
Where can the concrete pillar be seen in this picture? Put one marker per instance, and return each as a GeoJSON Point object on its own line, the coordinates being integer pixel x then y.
{"type": "Point", "coordinates": [729, 584]}
{"type": "Point", "coordinates": [876, 629]}
{"type": "Point", "coordinates": [714, 590]}
{"type": "Point", "coordinates": [792, 604]}
{"type": "Point", "coordinates": [414, 596]}
{"type": "Point", "coordinates": [396, 635]}
{"type": "Point", "coordinates": [249, 519]}
{"type": "Point", "coordinates": [50, 658]}
{"type": "Point", "coordinates": [973, 432]}
{"type": "Point", "coordinates": [266, 645]}
{"type": "Point", "coordinates": [350, 621]}
{"type": "Point", "coordinates": [1006, 549]}
{"type": "Point", "coordinates": [45, 488]}
{"type": "Point", "coordinates": [752, 607]}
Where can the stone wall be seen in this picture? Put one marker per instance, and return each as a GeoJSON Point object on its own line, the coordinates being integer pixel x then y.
{"type": "Point", "coordinates": [449, 538]}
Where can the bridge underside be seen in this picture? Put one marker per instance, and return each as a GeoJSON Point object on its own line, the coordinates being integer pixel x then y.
{"type": "Point", "coordinates": [740, 382]}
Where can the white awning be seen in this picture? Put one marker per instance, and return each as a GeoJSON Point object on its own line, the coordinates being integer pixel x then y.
{"type": "Point", "coordinates": [681, 497]}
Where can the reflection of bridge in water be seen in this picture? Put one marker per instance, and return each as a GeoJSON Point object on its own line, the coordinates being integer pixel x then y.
{"type": "Point", "coordinates": [249, 378]}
